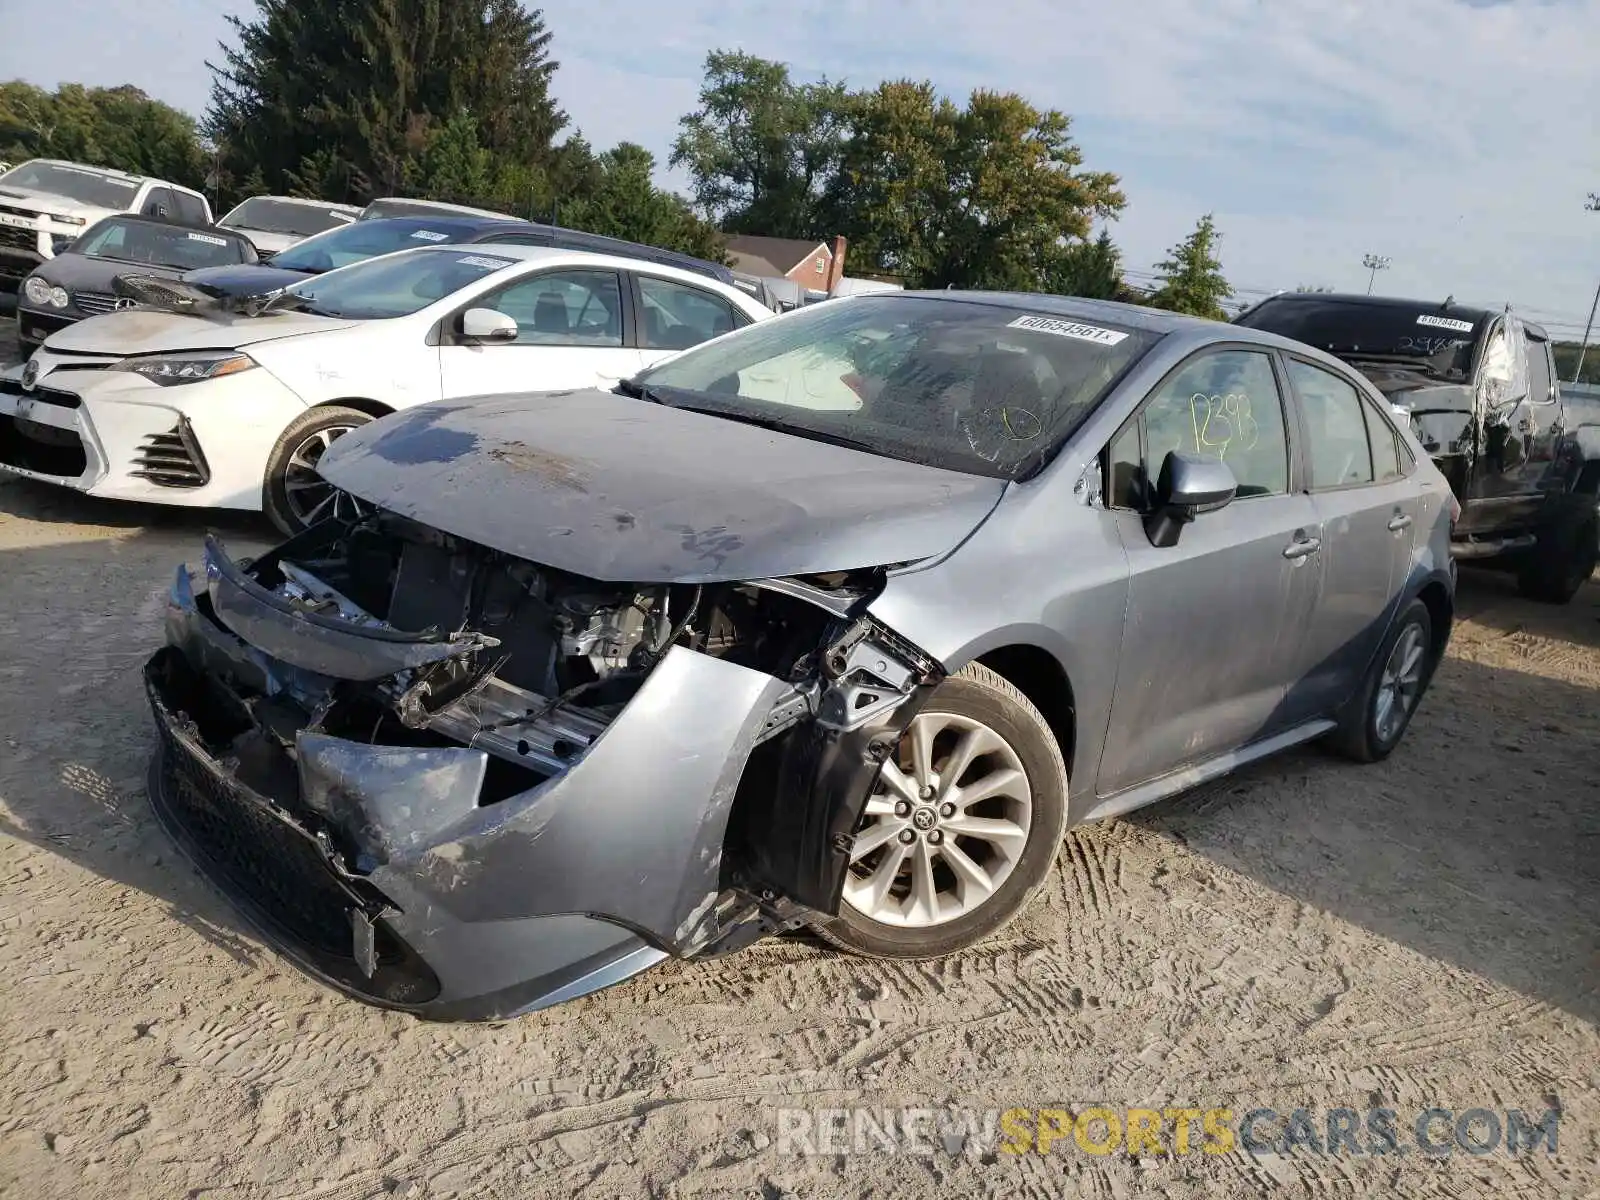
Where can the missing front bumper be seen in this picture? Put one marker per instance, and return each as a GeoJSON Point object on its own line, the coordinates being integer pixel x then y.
{"type": "Point", "coordinates": [714, 805]}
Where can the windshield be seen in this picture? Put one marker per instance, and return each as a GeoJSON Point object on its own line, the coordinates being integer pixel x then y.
{"type": "Point", "coordinates": [358, 242]}
{"type": "Point", "coordinates": [160, 245]}
{"type": "Point", "coordinates": [282, 216]}
{"type": "Point", "coordinates": [1439, 340]}
{"type": "Point", "coordinates": [75, 183]}
{"type": "Point", "coordinates": [392, 287]}
{"type": "Point", "coordinates": [965, 385]}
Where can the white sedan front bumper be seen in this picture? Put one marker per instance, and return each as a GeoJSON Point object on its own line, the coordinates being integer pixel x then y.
{"type": "Point", "coordinates": [118, 435]}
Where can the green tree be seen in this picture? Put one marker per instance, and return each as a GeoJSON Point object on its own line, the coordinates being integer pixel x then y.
{"type": "Point", "coordinates": [118, 127]}
{"type": "Point", "coordinates": [1091, 269]}
{"type": "Point", "coordinates": [986, 196]}
{"type": "Point", "coordinates": [452, 164]}
{"type": "Point", "coordinates": [624, 202]}
{"type": "Point", "coordinates": [1191, 279]}
{"type": "Point", "coordinates": [761, 148]}
{"type": "Point", "coordinates": [1567, 361]}
{"type": "Point", "coordinates": [378, 86]}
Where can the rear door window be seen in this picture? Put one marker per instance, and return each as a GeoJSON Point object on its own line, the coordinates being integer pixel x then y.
{"type": "Point", "coordinates": [1336, 428]}
{"type": "Point", "coordinates": [676, 316]}
{"type": "Point", "coordinates": [190, 209]}
{"type": "Point", "coordinates": [1385, 445]}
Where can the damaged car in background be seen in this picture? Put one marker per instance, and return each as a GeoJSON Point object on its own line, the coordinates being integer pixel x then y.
{"type": "Point", "coordinates": [809, 625]}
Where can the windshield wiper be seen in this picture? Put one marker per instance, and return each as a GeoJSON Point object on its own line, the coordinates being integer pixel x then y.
{"type": "Point", "coordinates": [777, 426]}
{"type": "Point", "coordinates": [637, 391]}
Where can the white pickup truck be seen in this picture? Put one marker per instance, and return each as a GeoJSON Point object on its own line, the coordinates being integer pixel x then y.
{"type": "Point", "coordinates": [45, 204]}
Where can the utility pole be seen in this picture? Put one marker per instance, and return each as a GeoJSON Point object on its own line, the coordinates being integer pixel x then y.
{"type": "Point", "coordinates": [1593, 205]}
{"type": "Point", "coordinates": [1374, 263]}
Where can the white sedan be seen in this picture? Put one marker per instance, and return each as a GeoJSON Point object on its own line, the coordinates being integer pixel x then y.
{"type": "Point", "coordinates": [212, 408]}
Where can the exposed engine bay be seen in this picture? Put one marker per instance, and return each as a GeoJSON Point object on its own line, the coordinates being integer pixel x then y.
{"type": "Point", "coordinates": [539, 660]}
{"type": "Point", "coordinates": [456, 727]}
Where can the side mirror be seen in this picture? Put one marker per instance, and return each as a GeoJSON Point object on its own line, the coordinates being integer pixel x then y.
{"type": "Point", "coordinates": [1187, 487]}
{"type": "Point", "coordinates": [486, 325]}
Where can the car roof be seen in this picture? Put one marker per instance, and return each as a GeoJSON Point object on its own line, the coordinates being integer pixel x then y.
{"type": "Point", "coordinates": [78, 166]}
{"type": "Point", "coordinates": [303, 200]}
{"type": "Point", "coordinates": [442, 206]}
{"type": "Point", "coordinates": [565, 256]}
{"type": "Point", "coordinates": [1464, 311]}
{"type": "Point", "coordinates": [171, 223]}
{"type": "Point", "coordinates": [1133, 316]}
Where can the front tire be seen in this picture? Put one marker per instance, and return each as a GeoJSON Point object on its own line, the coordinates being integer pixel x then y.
{"type": "Point", "coordinates": [961, 828]}
{"type": "Point", "coordinates": [293, 495]}
{"type": "Point", "coordinates": [1381, 712]}
{"type": "Point", "coordinates": [1559, 566]}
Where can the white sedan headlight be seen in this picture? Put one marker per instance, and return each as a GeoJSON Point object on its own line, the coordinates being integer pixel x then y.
{"type": "Point", "coordinates": [169, 369]}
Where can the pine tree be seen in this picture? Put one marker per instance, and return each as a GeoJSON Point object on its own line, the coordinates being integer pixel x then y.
{"type": "Point", "coordinates": [1191, 279]}
{"type": "Point", "coordinates": [372, 83]}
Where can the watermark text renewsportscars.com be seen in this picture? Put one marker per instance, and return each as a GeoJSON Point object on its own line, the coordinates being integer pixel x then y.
{"type": "Point", "coordinates": [1168, 1130]}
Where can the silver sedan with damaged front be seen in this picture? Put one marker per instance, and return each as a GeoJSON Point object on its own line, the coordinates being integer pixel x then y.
{"type": "Point", "coordinates": [838, 621]}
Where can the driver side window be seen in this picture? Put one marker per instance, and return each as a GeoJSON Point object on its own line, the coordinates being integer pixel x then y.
{"type": "Point", "coordinates": [563, 308]}
{"type": "Point", "coordinates": [1223, 405]}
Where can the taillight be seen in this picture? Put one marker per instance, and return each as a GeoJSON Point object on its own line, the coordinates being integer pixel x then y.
{"type": "Point", "coordinates": [1455, 510]}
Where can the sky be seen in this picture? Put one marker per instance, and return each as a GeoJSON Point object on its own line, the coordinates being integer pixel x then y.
{"type": "Point", "coordinates": [1456, 137]}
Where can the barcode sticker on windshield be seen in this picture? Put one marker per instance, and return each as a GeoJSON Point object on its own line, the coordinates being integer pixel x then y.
{"type": "Point", "coordinates": [1445, 323]}
{"type": "Point", "coordinates": [1071, 329]}
{"type": "Point", "coordinates": [428, 235]}
{"type": "Point", "coordinates": [477, 260]}
{"type": "Point", "coordinates": [208, 239]}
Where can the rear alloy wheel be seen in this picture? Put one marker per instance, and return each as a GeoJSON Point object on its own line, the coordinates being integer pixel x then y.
{"type": "Point", "coordinates": [294, 494]}
{"type": "Point", "coordinates": [961, 826]}
{"type": "Point", "coordinates": [1376, 721]}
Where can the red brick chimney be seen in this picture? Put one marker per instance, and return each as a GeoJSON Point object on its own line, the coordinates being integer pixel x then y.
{"type": "Point", "coordinates": [836, 267]}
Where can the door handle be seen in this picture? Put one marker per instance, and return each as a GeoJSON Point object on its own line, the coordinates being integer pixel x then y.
{"type": "Point", "coordinates": [1398, 522]}
{"type": "Point", "coordinates": [1302, 547]}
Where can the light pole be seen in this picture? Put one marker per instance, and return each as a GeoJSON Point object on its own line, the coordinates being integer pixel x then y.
{"type": "Point", "coordinates": [1374, 263]}
{"type": "Point", "coordinates": [1593, 205]}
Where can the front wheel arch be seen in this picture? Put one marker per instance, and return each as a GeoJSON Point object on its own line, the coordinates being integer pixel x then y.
{"type": "Point", "coordinates": [285, 505]}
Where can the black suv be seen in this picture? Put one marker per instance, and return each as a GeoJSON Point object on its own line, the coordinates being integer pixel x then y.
{"type": "Point", "coordinates": [1480, 389]}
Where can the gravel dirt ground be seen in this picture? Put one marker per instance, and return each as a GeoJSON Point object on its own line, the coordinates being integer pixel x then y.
{"type": "Point", "coordinates": [1306, 934]}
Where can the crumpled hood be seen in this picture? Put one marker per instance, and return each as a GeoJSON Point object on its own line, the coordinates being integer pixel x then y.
{"type": "Point", "coordinates": [150, 331]}
{"type": "Point", "coordinates": [624, 490]}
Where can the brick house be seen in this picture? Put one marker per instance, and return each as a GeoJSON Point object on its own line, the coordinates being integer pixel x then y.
{"type": "Point", "coordinates": [815, 266]}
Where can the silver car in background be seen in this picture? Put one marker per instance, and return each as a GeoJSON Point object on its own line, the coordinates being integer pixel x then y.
{"type": "Point", "coordinates": [838, 620]}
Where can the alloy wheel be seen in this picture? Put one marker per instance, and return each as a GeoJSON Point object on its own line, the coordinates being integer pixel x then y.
{"type": "Point", "coordinates": [1400, 685]}
{"type": "Point", "coordinates": [944, 826]}
{"type": "Point", "coordinates": [311, 498]}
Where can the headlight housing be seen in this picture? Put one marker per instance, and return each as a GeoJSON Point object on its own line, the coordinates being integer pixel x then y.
{"type": "Point", "coordinates": [171, 369]}
{"type": "Point", "coordinates": [59, 297]}
{"type": "Point", "coordinates": [36, 290]}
